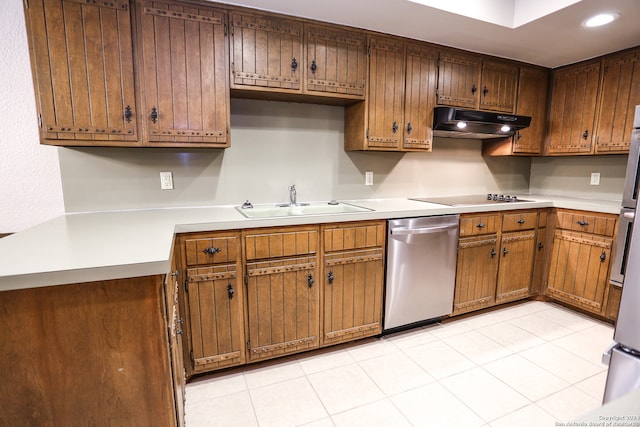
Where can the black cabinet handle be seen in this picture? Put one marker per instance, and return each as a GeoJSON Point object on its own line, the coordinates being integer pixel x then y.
{"type": "Point", "coordinates": [493, 252]}
{"type": "Point", "coordinates": [127, 113]}
{"type": "Point", "coordinates": [154, 114]}
{"type": "Point", "coordinates": [394, 128]}
{"type": "Point", "coordinates": [480, 225]}
{"type": "Point", "coordinates": [603, 257]}
{"type": "Point", "coordinates": [485, 91]}
{"type": "Point", "coordinates": [314, 67]}
{"type": "Point", "coordinates": [310, 280]}
{"type": "Point", "coordinates": [585, 135]}
{"type": "Point", "coordinates": [294, 64]}
{"type": "Point", "coordinates": [520, 221]}
{"type": "Point", "coordinates": [211, 251]}
{"type": "Point", "coordinates": [230, 290]}
{"type": "Point", "coordinates": [518, 135]}
{"type": "Point", "coordinates": [582, 223]}
{"type": "Point", "coordinates": [409, 128]}
{"type": "Point", "coordinates": [331, 277]}
{"type": "Point", "coordinates": [474, 89]}
{"type": "Point", "coordinates": [540, 246]}
{"type": "Point", "coordinates": [504, 251]}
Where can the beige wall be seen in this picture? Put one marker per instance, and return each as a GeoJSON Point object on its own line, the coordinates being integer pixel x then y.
{"type": "Point", "coordinates": [273, 145]}
{"type": "Point", "coordinates": [570, 176]}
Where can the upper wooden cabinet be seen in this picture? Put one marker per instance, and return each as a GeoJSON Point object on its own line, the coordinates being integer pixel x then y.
{"type": "Point", "coordinates": [266, 53]}
{"type": "Point", "coordinates": [499, 86]}
{"type": "Point", "coordinates": [335, 62]}
{"type": "Point", "coordinates": [82, 62]}
{"type": "Point", "coordinates": [620, 95]}
{"type": "Point", "coordinates": [184, 49]}
{"type": "Point", "coordinates": [458, 79]}
{"type": "Point", "coordinates": [572, 114]}
{"type": "Point", "coordinates": [398, 112]}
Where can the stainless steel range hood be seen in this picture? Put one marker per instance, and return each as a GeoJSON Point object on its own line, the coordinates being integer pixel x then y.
{"type": "Point", "coordinates": [452, 122]}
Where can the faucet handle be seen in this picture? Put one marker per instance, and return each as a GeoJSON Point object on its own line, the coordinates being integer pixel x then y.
{"type": "Point", "coordinates": [292, 187]}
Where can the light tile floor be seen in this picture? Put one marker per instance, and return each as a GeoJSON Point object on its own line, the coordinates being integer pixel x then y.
{"type": "Point", "coordinates": [532, 364]}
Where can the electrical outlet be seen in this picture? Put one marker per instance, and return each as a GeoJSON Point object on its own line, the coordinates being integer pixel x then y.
{"type": "Point", "coordinates": [595, 178]}
{"type": "Point", "coordinates": [166, 180]}
{"type": "Point", "coordinates": [368, 178]}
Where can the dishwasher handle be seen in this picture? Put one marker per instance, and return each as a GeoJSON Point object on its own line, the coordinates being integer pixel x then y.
{"type": "Point", "coordinates": [427, 230]}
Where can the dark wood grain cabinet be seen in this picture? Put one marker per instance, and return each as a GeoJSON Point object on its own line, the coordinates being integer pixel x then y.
{"type": "Point", "coordinates": [619, 96]}
{"type": "Point", "coordinates": [398, 112]}
{"type": "Point", "coordinates": [185, 61]}
{"type": "Point", "coordinates": [498, 86]}
{"type": "Point", "coordinates": [572, 112]}
{"type": "Point", "coordinates": [458, 79]}
{"type": "Point", "coordinates": [82, 63]}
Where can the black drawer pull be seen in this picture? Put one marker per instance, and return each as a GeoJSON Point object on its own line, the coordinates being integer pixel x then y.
{"type": "Point", "coordinates": [582, 223]}
{"type": "Point", "coordinates": [520, 221]}
{"type": "Point", "coordinates": [480, 225]}
{"type": "Point", "coordinates": [211, 251]}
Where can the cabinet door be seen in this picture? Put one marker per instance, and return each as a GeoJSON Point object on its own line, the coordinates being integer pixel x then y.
{"type": "Point", "coordinates": [499, 86]}
{"type": "Point", "coordinates": [176, 331]}
{"type": "Point", "coordinates": [476, 273]}
{"type": "Point", "coordinates": [419, 97]}
{"type": "Point", "coordinates": [353, 290]}
{"type": "Point", "coordinates": [458, 80]}
{"type": "Point", "coordinates": [82, 61]}
{"type": "Point", "coordinates": [386, 93]}
{"type": "Point", "coordinates": [185, 68]}
{"type": "Point", "coordinates": [266, 52]}
{"type": "Point", "coordinates": [215, 304]}
{"type": "Point", "coordinates": [282, 306]}
{"type": "Point", "coordinates": [580, 269]}
{"type": "Point", "coordinates": [515, 273]}
{"type": "Point", "coordinates": [620, 95]}
{"type": "Point", "coordinates": [573, 106]}
{"type": "Point", "coordinates": [336, 62]}
{"type": "Point", "coordinates": [533, 87]}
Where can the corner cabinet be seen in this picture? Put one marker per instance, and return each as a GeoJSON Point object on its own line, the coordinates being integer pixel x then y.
{"type": "Point", "coordinates": [283, 305]}
{"type": "Point", "coordinates": [398, 112]}
{"type": "Point", "coordinates": [82, 63]}
{"type": "Point", "coordinates": [574, 99]}
{"type": "Point", "coordinates": [353, 276]}
{"type": "Point", "coordinates": [185, 62]}
{"type": "Point", "coordinates": [581, 258]}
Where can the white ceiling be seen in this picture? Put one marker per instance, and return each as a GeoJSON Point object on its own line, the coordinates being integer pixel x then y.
{"type": "Point", "coordinates": [517, 29]}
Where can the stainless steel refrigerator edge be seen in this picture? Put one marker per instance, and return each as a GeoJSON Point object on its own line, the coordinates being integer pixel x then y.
{"type": "Point", "coordinates": [421, 269]}
{"type": "Point", "coordinates": [624, 357]}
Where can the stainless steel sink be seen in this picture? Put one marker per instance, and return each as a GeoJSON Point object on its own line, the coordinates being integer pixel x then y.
{"type": "Point", "coordinates": [313, 208]}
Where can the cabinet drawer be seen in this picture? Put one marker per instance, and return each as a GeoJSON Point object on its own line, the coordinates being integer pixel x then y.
{"type": "Point", "coordinates": [276, 243]}
{"type": "Point", "coordinates": [473, 225]}
{"type": "Point", "coordinates": [347, 236]}
{"type": "Point", "coordinates": [211, 249]}
{"type": "Point", "coordinates": [523, 220]}
{"type": "Point", "coordinates": [587, 222]}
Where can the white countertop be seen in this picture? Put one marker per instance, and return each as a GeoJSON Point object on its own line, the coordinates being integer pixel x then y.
{"type": "Point", "coordinates": [86, 247]}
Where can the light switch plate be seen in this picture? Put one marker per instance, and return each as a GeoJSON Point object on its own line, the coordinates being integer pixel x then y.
{"type": "Point", "coordinates": [595, 178]}
{"type": "Point", "coordinates": [368, 178]}
{"type": "Point", "coordinates": [166, 180]}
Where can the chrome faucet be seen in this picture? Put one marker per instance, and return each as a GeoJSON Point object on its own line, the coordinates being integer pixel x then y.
{"type": "Point", "coordinates": [292, 195]}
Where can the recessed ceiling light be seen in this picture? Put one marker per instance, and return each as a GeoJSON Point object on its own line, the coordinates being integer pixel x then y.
{"type": "Point", "coordinates": [600, 19]}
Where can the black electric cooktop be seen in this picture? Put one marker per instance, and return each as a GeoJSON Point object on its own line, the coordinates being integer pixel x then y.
{"type": "Point", "coordinates": [470, 200]}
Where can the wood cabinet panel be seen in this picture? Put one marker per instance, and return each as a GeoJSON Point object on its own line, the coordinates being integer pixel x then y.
{"type": "Point", "coordinates": [261, 244]}
{"type": "Point", "coordinates": [353, 292]}
{"type": "Point", "coordinates": [82, 61]}
{"type": "Point", "coordinates": [476, 224]}
{"type": "Point", "coordinates": [215, 300]}
{"type": "Point", "coordinates": [206, 249]}
{"type": "Point", "coordinates": [586, 222]}
{"type": "Point", "coordinates": [573, 106]}
{"type": "Point", "coordinates": [613, 302]}
{"type": "Point", "coordinates": [515, 272]}
{"type": "Point", "coordinates": [420, 97]}
{"type": "Point", "coordinates": [354, 236]}
{"type": "Point", "coordinates": [476, 273]}
{"type": "Point", "coordinates": [282, 307]}
{"type": "Point", "coordinates": [458, 79]}
{"type": "Point", "coordinates": [386, 93]}
{"type": "Point", "coordinates": [185, 60]}
{"type": "Point", "coordinates": [533, 90]}
{"type": "Point", "coordinates": [499, 86]}
{"type": "Point", "coordinates": [266, 52]}
{"type": "Point", "coordinates": [176, 332]}
{"type": "Point", "coordinates": [620, 95]}
{"type": "Point", "coordinates": [336, 61]}
{"type": "Point", "coordinates": [520, 220]}
{"type": "Point", "coordinates": [580, 269]}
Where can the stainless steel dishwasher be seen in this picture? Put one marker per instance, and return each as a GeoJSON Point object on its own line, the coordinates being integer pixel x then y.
{"type": "Point", "coordinates": [421, 270]}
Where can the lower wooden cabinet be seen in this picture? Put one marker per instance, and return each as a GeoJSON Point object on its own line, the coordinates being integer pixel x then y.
{"type": "Point", "coordinates": [516, 265]}
{"type": "Point", "coordinates": [613, 302]}
{"type": "Point", "coordinates": [476, 273]}
{"type": "Point", "coordinates": [581, 258]}
{"type": "Point", "coordinates": [353, 281]}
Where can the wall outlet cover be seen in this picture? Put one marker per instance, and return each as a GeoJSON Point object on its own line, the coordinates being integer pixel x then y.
{"type": "Point", "coordinates": [595, 178]}
{"type": "Point", "coordinates": [166, 180]}
{"type": "Point", "coordinates": [368, 178]}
